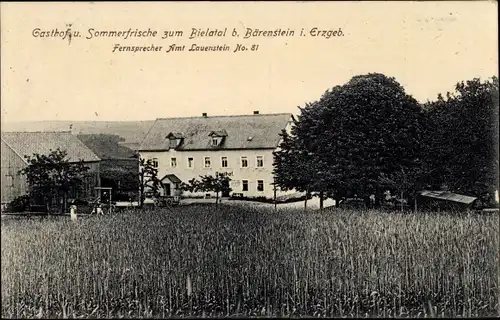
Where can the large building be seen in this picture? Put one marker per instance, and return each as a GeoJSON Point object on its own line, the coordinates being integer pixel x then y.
{"type": "Point", "coordinates": [186, 148]}
{"type": "Point", "coordinates": [16, 145]}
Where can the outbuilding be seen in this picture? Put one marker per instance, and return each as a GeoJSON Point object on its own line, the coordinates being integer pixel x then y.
{"type": "Point", "coordinates": [444, 200]}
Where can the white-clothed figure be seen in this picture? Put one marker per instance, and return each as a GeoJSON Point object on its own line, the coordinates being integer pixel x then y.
{"type": "Point", "coordinates": [72, 212]}
{"type": "Point", "coordinates": [97, 207]}
{"type": "Point", "coordinates": [98, 210]}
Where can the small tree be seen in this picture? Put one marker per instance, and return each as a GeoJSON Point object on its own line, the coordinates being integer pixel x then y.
{"type": "Point", "coordinates": [148, 177]}
{"type": "Point", "coordinates": [52, 176]}
{"type": "Point", "coordinates": [218, 183]}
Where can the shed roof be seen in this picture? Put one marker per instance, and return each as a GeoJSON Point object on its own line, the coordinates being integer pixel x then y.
{"type": "Point", "coordinates": [448, 196]}
{"type": "Point", "coordinates": [28, 143]}
{"type": "Point", "coordinates": [264, 129]}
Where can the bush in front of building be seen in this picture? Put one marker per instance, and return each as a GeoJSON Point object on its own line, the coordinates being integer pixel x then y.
{"type": "Point", "coordinates": [270, 200]}
{"type": "Point", "coordinates": [19, 204]}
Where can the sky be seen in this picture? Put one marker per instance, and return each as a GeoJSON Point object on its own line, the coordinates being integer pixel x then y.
{"type": "Point", "coordinates": [427, 46]}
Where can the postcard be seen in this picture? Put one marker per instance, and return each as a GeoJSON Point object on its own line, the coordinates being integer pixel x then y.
{"type": "Point", "coordinates": [249, 159]}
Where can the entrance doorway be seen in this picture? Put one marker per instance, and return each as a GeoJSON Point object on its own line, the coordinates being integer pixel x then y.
{"type": "Point", "coordinates": [167, 189]}
{"type": "Point", "coordinates": [225, 193]}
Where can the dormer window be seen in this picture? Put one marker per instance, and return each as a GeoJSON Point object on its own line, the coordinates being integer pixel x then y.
{"type": "Point", "coordinates": [217, 137]}
{"type": "Point", "coordinates": [175, 139]}
{"type": "Point", "coordinates": [173, 143]}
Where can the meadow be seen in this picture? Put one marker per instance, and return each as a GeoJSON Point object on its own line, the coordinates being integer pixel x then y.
{"type": "Point", "coordinates": [243, 261]}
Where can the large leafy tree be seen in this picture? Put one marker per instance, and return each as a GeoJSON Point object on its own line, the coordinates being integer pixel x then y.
{"type": "Point", "coordinates": [462, 144]}
{"type": "Point", "coordinates": [218, 183]}
{"type": "Point", "coordinates": [51, 177]}
{"type": "Point", "coordinates": [357, 132]}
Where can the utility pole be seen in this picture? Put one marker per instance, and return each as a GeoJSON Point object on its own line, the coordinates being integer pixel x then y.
{"type": "Point", "coordinates": [321, 194]}
{"type": "Point", "coordinates": [141, 182]}
{"type": "Point", "coordinates": [274, 200]}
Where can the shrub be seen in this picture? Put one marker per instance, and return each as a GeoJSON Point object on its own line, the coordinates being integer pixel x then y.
{"type": "Point", "coordinates": [271, 200]}
{"type": "Point", "coordinates": [19, 204]}
{"type": "Point", "coordinates": [80, 202]}
{"type": "Point", "coordinates": [125, 196]}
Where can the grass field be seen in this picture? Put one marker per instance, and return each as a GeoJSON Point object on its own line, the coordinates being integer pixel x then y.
{"type": "Point", "coordinates": [207, 261]}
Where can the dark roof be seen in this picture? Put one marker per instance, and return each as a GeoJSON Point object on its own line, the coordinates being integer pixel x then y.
{"type": "Point", "coordinates": [172, 177]}
{"type": "Point", "coordinates": [243, 132]}
{"type": "Point", "coordinates": [448, 196]}
{"type": "Point", "coordinates": [28, 143]}
{"type": "Point", "coordinates": [131, 145]}
{"type": "Point", "coordinates": [106, 146]}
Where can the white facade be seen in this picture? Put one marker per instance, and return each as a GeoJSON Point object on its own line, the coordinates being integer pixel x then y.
{"type": "Point", "coordinates": [190, 147]}
{"type": "Point", "coordinates": [251, 169]}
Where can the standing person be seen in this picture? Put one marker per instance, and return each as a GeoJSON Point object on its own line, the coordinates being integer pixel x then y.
{"type": "Point", "coordinates": [97, 207]}
{"type": "Point", "coordinates": [372, 201]}
{"type": "Point", "coordinates": [94, 206]}
{"type": "Point", "coordinates": [105, 196]}
{"type": "Point", "coordinates": [72, 211]}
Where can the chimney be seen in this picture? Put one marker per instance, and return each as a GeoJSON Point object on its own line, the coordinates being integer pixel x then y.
{"type": "Point", "coordinates": [256, 112]}
{"type": "Point", "coordinates": [204, 114]}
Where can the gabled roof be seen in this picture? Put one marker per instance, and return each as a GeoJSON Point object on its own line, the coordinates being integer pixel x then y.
{"type": "Point", "coordinates": [28, 143]}
{"type": "Point", "coordinates": [264, 129]}
{"type": "Point", "coordinates": [175, 135]}
{"type": "Point", "coordinates": [172, 177]}
{"type": "Point", "coordinates": [133, 132]}
{"type": "Point", "coordinates": [219, 133]}
{"type": "Point", "coordinates": [447, 196]}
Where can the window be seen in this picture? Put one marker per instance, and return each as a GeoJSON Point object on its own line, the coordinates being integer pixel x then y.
{"type": "Point", "coordinates": [260, 185]}
{"type": "Point", "coordinates": [190, 162]}
{"type": "Point", "coordinates": [173, 162]}
{"type": "Point", "coordinates": [215, 141]}
{"type": "Point", "coordinates": [155, 162]}
{"type": "Point", "coordinates": [244, 162]}
{"type": "Point", "coordinates": [260, 161]}
{"type": "Point", "coordinates": [207, 162]}
{"type": "Point", "coordinates": [175, 139]}
{"type": "Point", "coordinates": [244, 186]}
{"type": "Point", "coordinates": [173, 143]}
{"type": "Point", "coordinates": [224, 162]}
